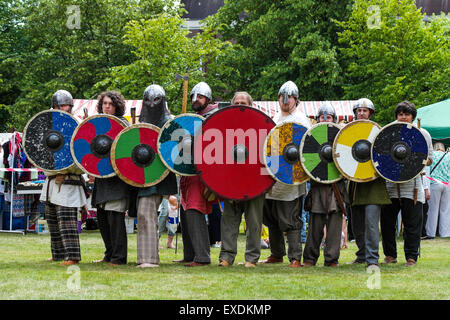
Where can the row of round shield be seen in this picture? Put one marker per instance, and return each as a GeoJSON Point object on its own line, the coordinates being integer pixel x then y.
{"type": "Point", "coordinates": [360, 151]}
{"type": "Point", "coordinates": [143, 154]}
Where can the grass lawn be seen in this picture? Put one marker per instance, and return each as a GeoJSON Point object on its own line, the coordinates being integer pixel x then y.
{"type": "Point", "coordinates": [25, 274]}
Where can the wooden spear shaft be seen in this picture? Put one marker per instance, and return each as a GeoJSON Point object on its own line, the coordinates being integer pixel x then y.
{"type": "Point", "coordinates": [133, 115]}
{"type": "Point", "coordinates": [183, 110]}
{"type": "Point", "coordinates": [185, 92]}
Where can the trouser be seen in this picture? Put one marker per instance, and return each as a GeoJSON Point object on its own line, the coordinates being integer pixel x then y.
{"type": "Point", "coordinates": [332, 250]}
{"type": "Point", "coordinates": [365, 221]}
{"type": "Point", "coordinates": [350, 235]}
{"type": "Point", "coordinates": [229, 226]}
{"type": "Point", "coordinates": [439, 209]}
{"type": "Point", "coordinates": [305, 215]}
{"type": "Point", "coordinates": [358, 227]}
{"type": "Point", "coordinates": [214, 224]}
{"type": "Point", "coordinates": [194, 231]}
{"type": "Point", "coordinates": [163, 222]}
{"type": "Point", "coordinates": [412, 224]}
{"type": "Point", "coordinates": [114, 235]}
{"type": "Point", "coordinates": [147, 229]}
{"type": "Point", "coordinates": [305, 219]}
{"type": "Point", "coordinates": [425, 218]}
{"type": "Point", "coordinates": [63, 227]}
{"type": "Point", "coordinates": [284, 217]}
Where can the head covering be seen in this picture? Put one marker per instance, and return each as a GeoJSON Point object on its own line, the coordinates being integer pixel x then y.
{"type": "Point", "coordinates": [289, 88]}
{"type": "Point", "coordinates": [325, 109]}
{"type": "Point", "coordinates": [363, 103]}
{"type": "Point", "coordinates": [203, 89]}
{"type": "Point", "coordinates": [61, 98]}
{"type": "Point", "coordinates": [154, 108]}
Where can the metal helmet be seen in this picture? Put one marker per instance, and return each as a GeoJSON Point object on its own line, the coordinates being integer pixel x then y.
{"type": "Point", "coordinates": [325, 109]}
{"type": "Point", "coordinates": [203, 89]}
{"type": "Point", "coordinates": [289, 88]}
{"type": "Point", "coordinates": [61, 98]}
{"type": "Point", "coordinates": [153, 95]}
{"type": "Point", "coordinates": [363, 103]}
{"type": "Point", "coordinates": [154, 107]}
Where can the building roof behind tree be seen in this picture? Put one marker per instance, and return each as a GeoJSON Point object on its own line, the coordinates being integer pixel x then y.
{"type": "Point", "coordinates": [433, 6]}
{"type": "Point", "coordinates": [200, 9]}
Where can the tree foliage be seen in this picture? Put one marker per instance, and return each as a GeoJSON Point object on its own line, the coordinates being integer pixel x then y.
{"type": "Point", "coordinates": [275, 41]}
{"type": "Point", "coordinates": [332, 49]}
{"type": "Point", "coordinates": [162, 50]}
{"type": "Point", "coordinates": [393, 55]}
{"type": "Point", "coordinates": [64, 44]}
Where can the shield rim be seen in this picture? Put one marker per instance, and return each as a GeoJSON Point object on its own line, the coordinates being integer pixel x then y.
{"type": "Point", "coordinates": [113, 157]}
{"type": "Point", "coordinates": [336, 155]}
{"type": "Point", "coordinates": [199, 172]}
{"type": "Point", "coordinates": [303, 159]}
{"type": "Point", "coordinates": [24, 135]}
{"type": "Point", "coordinates": [158, 143]}
{"type": "Point", "coordinates": [72, 151]}
{"type": "Point", "coordinates": [389, 125]}
{"type": "Point", "coordinates": [307, 178]}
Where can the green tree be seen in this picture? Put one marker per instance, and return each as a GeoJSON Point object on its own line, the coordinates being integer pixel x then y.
{"type": "Point", "coordinates": [65, 44]}
{"type": "Point", "coordinates": [4, 118]}
{"type": "Point", "coordinates": [393, 55]}
{"type": "Point", "coordinates": [162, 50]}
{"type": "Point", "coordinates": [12, 45]}
{"type": "Point", "coordinates": [275, 41]}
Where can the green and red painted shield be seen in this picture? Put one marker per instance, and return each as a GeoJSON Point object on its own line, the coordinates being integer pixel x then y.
{"type": "Point", "coordinates": [135, 158]}
{"type": "Point", "coordinates": [316, 153]}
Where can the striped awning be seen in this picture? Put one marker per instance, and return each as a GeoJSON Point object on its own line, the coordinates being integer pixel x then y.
{"type": "Point", "coordinates": [343, 108]}
{"type": "Point", "coordinates": [91, 107]}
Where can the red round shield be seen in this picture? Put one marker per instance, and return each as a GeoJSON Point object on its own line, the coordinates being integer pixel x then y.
{"type": "Point", "coordinates": [228, 152]}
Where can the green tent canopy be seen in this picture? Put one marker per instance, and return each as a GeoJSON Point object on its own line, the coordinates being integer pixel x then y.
{"type": "Point", "coordinates": [435, 118]}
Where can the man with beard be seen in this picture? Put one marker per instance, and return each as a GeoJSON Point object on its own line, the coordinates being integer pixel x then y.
{"type": "Point", "coordinates": [194, 202]}
{"type": "Point", "coordinates": [283, 204]}
{"type": "Point", "coordinates": [154, 111]}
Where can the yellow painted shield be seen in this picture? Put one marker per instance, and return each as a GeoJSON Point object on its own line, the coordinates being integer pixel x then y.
{"type": "Point", "coordinates": [282, 153]}
{"type": "Point", "coordinates": [352, 148]}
